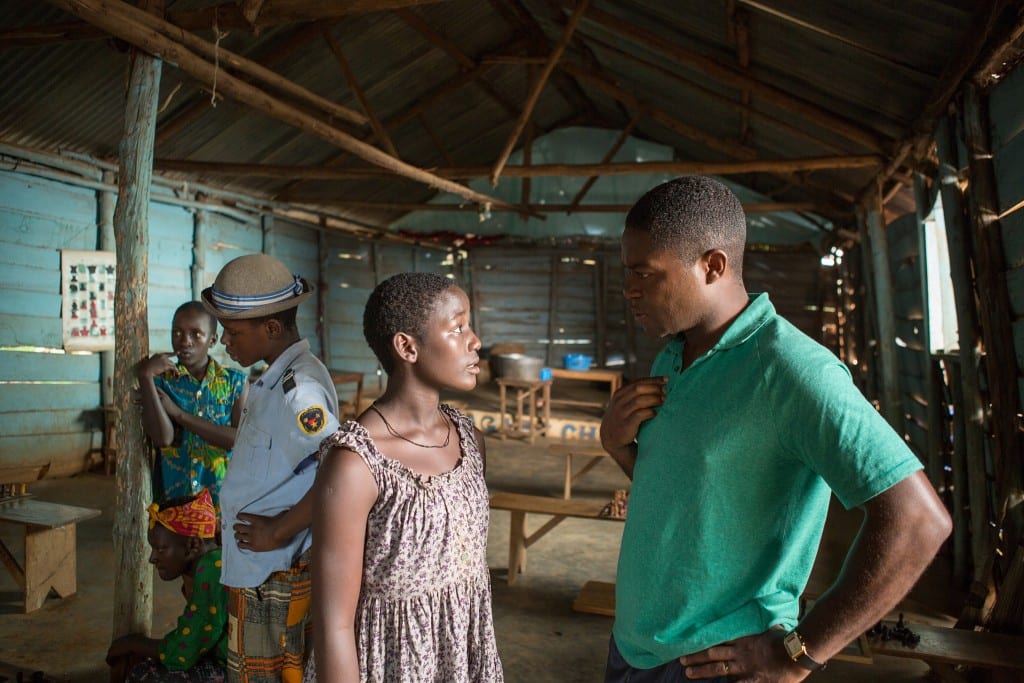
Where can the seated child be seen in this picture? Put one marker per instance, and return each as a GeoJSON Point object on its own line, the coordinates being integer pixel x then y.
{"type": "Point", "coordinates": [181, 533]}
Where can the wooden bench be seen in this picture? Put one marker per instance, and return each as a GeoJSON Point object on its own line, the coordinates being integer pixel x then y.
{"type": "Point", "coordinates": [519, 504]}
{"type": "Point", "coordinates": [944, 648]}
{"type": "Point", "coordinates": [583, 449]}
{"type": "Point", "coordinates": [49, 543]}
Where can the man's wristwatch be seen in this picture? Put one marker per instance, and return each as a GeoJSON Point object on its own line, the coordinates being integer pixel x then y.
{"type": "Point", "coordinates": [797, 651]}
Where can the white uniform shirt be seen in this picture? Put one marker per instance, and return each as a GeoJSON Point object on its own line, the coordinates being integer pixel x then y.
{"type": "Point", "coordinates": [288, 412]}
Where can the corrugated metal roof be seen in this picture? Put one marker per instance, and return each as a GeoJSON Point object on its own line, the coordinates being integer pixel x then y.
{"type": "Point", "coordinates": [867, 67]}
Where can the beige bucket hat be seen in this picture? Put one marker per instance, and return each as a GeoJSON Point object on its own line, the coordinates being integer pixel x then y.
{"type": "Point", "coordinates": [253, 286]}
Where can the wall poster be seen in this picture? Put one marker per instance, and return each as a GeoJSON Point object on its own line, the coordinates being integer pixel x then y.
{"type": "Point", "coordinates": [87, 302]}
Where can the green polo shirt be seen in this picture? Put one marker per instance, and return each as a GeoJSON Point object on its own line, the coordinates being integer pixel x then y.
{"type": "Point", "coordinates": [732, 482]}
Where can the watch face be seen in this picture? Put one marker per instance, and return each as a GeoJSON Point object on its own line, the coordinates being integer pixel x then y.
{"type": "Point", "coordinates": [794, 646]}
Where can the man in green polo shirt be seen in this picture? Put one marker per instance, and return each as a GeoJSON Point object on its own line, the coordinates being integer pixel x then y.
{"type": "Point", "coordinates": [734, 445]}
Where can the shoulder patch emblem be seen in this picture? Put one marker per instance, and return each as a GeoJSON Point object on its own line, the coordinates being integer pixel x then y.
{"type": "Point", "coordinates": [311, 420]}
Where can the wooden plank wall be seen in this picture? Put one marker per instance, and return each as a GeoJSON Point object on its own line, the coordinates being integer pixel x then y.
{"type": "Point", "coordinates": [48, 401]}
{"type": "Point", "coordinates": [1007, 117]}
{"type": "Point", "coordinates": [353, 267]}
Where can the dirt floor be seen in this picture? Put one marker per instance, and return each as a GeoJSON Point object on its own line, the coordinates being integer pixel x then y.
{"type": "Point", "coordinates": [540, 637]}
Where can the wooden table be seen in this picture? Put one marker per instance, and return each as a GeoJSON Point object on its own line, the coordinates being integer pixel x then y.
{"type": "Point", "coordinates": [349, 377]}
{"type": "Point", "coordinates": [526, 407]}
{"type": "Point", "coordinates": [612, 377]}
{"type": "Point", "coordinates": [50, 549]}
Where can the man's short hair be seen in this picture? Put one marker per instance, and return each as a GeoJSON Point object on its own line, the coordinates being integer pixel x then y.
{"type": "Point", "coordinates": [197, 307]}
{"type": "Point", "coordinates": [691, 216]}
{"type": "Point", "coordinates": [402, 303]}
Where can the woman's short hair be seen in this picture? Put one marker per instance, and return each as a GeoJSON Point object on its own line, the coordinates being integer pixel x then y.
{"type": "Point", "coordinates": [402, 303]}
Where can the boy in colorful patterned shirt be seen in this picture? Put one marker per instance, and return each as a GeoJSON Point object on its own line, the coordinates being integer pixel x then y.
{"type": "Point", "coordinates": [191, 407]}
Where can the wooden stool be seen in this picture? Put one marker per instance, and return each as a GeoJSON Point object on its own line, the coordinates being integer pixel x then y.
{"type": "Point", "coordinates": [347, 377]}
{"type": "Point", "coordinates": [525, 393]}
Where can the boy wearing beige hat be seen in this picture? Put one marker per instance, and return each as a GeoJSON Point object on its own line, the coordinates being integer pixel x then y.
{"type": "Point", "coordinates": [265, 509]}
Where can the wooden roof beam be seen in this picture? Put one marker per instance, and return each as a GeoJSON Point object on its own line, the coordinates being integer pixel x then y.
{"type": "Point", "coordinates": [609, 155]}
{"type": "Point", "coordinates": [535, 90]}
{"type": "Point", "coordinates": [227, 15]}
{"type": "Point", "coordinates": [353, 84]}
{"type": "Point", "coordinates": [199, 105]}
{"type": "Point", "coordinates": [528, 171]}
{"type": "Point", "coordinates": [130, 24]}
{"type": "Point", "coordinates": [406, 207]}
{"type": "Point", "coordinates": [730, 76]}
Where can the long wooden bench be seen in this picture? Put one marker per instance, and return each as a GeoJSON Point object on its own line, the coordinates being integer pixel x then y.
{"type": "Point", "coordinates": [520, 504]}
{"type": "Point", "coordinates": [583, 449]}
{"type": "Point", "coordinates": [50, 549]}
{"type": "Point", "coordinates": [944, 648]}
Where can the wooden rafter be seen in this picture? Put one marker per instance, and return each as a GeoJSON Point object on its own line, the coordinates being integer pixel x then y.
{"type": "Point", "coordinates": [441, 41]}
{"type": "Point", "coordinates": [673, 123]}
{"type": "Point", "coordinates": [802, 132]}
{"type": "Point", "coordinates": [535, 90]}
{"type": "Point", "coordinates": [199, 105]}
{"type": "Point", "coordinates": [357, 90]}
{"type": "Point", "coordinates": [123, 21]}
{"type": "Point", "coordinates": [609, 155]}
{"type": "Point", "coordinates": [988, 29]}
{"type": "Point", "coordinates": [421, 105]}
{"type": "Point", "coordinates": [227, 15]}
{"type": "Point", "coordinates": [531, 171]}
{"type": "Point", "coordinates": [730, 76]}
{"type": "Point", "coordinates": [755, 207]}
{"type": "Point", "coordinates": [522, 19]}
{"type": "Point", "coordinates": [229, 60]}
{"type": "Point", "coordinates": [432, 134]}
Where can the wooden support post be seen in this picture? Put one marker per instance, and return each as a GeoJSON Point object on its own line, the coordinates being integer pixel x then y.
{"type": "Point", "coordinates": [107, 242]}
{"type": "Point", "coordinates": [537, 87]}
{"type": "Point", "coordinates": [133, 574]}
{"type": "Point", "coordinates": [972, 404]}
{"type": "Point", "coordinates": [886, 315]}
{"type": "Point", "coordinates": [200, 232]}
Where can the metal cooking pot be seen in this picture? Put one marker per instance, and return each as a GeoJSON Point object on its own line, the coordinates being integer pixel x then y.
{"type": "Point", "coordinates": [516, 366]}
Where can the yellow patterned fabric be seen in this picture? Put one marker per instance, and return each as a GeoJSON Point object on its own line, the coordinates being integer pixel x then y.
{"type": "Point", "coordinates": [195, 518]}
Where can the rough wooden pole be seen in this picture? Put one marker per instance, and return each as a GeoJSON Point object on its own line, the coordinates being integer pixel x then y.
{"type": "Point", "coordinates": [133, 575]}
{"type": "Point", "coordinates": [886, 315]}
{"type": "Point", "coordinates": [200, 235]}
{"type": "Point", "coordinates": [535, 90]}
{"type": "Point", "coordinates": [105, 221]}
{"type": "Point", "coordinates": [933, 454]}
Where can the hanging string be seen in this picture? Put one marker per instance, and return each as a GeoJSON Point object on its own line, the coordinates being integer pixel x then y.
{"type": "Point", "coordinates": [216, 58]}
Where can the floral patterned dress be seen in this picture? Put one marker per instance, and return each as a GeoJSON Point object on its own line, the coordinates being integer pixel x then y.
{"type": "Point", "coordinates": [424, 611]}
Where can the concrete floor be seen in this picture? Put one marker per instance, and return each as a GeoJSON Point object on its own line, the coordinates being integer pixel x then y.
{"type": "Point", "coordinates": [540, 637]}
